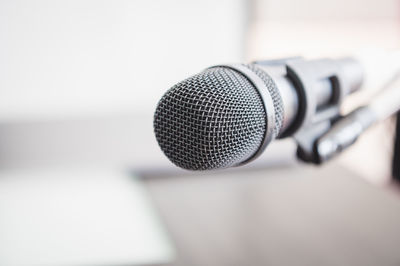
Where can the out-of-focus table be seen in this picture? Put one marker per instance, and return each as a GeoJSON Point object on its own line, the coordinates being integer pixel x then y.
{"type": "Point", "coordinates": [82, 216]}
{"type": "Point", "coordinates": [298, 215]}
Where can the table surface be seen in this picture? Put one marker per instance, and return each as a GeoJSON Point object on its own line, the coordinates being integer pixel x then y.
{"type": "Point", "coordinates": [298, 215]}
{"type": "Point", "coordinates": [80, 217]}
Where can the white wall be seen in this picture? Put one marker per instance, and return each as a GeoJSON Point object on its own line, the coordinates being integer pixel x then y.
{"type": "Point", "coordinates": [317, 28]}
{"type": "Point", "coordinates": [73, 58]}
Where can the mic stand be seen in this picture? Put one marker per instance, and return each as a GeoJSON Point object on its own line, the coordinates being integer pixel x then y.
{"type": "Point", "coordinates": [327, 138]}
{"type": "Point", "coordinates": [307, 138]}
{"type": "Point", "coordinates": [396, 151]}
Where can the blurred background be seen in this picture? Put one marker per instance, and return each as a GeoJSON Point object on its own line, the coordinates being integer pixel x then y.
{"type": "Point", "coordinates": [83, 181]}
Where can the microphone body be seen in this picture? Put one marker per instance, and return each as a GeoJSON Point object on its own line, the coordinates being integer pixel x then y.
{"type": "Point", "coordinates": [227, 115]}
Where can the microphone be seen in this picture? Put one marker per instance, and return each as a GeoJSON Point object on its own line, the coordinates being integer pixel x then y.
{"type": "Point", "coordinates": [227, 115]}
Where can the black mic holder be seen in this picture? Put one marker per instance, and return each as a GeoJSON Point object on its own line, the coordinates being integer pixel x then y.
{"type": "Point", "coordinates": [325, 139]}
{"type": "Point", "coordinates": [320, 131]}
{"type": "Point", "coordinates": [308, 137]}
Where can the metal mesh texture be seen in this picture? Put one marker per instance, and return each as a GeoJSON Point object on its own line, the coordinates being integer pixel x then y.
{"type": "Point", "coordinates": [214, 119]}
{"type": "Point", "coordinates": [275, 95]}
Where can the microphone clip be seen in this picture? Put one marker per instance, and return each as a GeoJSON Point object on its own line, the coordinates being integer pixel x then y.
{"type": "Point", "coordinates": [326, 139]}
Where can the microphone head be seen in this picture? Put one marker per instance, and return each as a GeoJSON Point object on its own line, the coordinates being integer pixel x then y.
{"type": "Point", "coordinates": [215, 119]}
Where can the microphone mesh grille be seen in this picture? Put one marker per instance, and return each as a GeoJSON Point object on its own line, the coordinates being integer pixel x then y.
{"type": "Point", "coordinates": [214, 119]}
{"type": "Point", "coordinates": [275, 95]}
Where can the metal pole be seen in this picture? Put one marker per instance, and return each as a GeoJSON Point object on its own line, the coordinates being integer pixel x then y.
{"type": "Point", "coordinates": [396, 151]}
